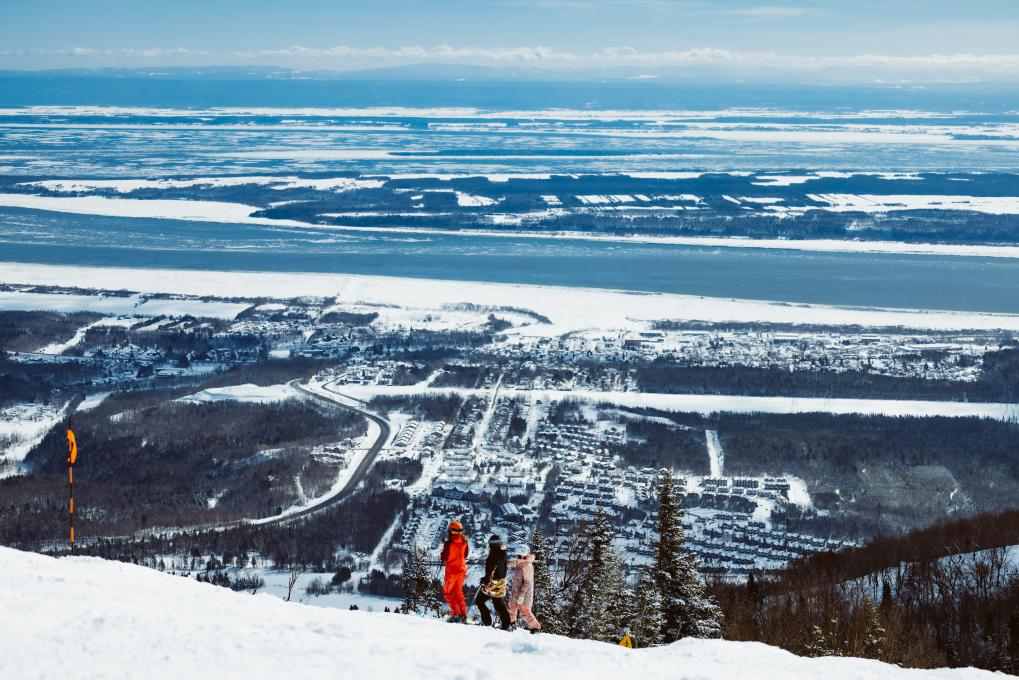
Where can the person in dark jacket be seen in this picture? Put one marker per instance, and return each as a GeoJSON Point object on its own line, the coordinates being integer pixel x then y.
{"type": "Point", "coordinates": [493, 584]}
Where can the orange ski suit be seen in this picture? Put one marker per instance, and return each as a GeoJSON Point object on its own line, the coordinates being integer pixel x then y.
{"type": "Point", "coordinates": [454, 556]}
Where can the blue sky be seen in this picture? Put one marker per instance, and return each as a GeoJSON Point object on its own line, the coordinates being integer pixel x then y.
{"type": "Point", "coordinates": [861, 39]}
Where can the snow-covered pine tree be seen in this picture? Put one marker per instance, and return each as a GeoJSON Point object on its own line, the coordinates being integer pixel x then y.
{"type": "Point", "coordinates": [648, 617]}
{"type": "Point", "coordinates": [585, 615]}
{"type": "Point", "coordinates": [410, 594]}
{"type": "Point", "coordinates": [823, 641]}
{"type": "Point", "coordinates": [874, 635]}
{"type": "Point", "coordinates": [546, 603]}
{"type": "Point", "coordinates": [416, 582]}
{"type": "Point", "coordinates": [614, 608]}
{"type": "Point", "coordinates": [594, 606]}
{"type": "Point", "coordinates": [687, 609]}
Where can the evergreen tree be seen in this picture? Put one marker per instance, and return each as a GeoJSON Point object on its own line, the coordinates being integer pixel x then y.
{"type": "Point", "coordinates": [648, 617]}
{"type": "Point", "coordinates": [754, 604]}
{"type": "Point", "coordinates": [593, 603]}
{"type": "Point", "coordinates": [687, 610]}
{"type": "Point", "coordinates": [416, 582]}
{"type": "Point", "coordinates": [886, 594]}
{"type": "Point", "coordinates": [433, 599]}
{"type": "Point", "coordinates": [613, 607]}
{"type": "Point", "coordinates": [546, 605]}
{"type": "Point", "coordinates": [409, 582]}
{"type": "Point", "coordinates": [874, 635]}
{"type": "Point", "coordinates": [823, 641]}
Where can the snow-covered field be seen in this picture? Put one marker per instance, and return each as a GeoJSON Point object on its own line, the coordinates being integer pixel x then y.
{"type": "Point", "coordinates": [133, 305]}
{"type": "Point", "coordinates": [89, 618]}
{"type": "Point", "coordinates": [718, 403]}
{"type": "Point", "coordinates": [79, 335]}
{"type": "Point", "coordinates": [570, 309]}
{"type": "Point", "coordinates": [246, 393]}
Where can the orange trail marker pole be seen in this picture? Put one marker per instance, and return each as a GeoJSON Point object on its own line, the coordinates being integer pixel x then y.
{"type": "Point", "coordinates": [72, 456]}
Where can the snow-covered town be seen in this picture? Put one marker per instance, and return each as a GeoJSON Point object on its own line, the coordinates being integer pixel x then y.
{"type": "Point", "coordinates": [530, 338]}
{"type": "Point", "coordinates": [492, 416]}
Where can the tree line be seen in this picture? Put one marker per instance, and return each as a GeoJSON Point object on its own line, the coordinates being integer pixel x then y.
{"type": "Point", "coordinates": [947, 595]}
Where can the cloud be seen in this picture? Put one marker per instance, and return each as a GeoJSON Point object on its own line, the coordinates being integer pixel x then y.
{"type": "Point", "coordinates": [1004, 65]}
{"type": "Point", "coordinates": [122, 52]}
{"type": "Point", "coordinates": [628, 56]}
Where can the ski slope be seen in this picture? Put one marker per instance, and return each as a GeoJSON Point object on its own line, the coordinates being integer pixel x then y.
{"type": "Point", "coordinates": [88, 618]}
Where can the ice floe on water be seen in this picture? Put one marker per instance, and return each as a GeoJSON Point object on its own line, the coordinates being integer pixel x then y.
{"type": "Point", "coordinates": [873, 203]}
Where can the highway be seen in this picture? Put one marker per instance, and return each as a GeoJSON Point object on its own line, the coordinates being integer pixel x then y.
{"type": "Point", "coordinates": [358, 474]}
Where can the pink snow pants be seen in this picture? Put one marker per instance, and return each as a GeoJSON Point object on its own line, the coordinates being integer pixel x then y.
{"type": "Point", "coordinates": [525, 612]}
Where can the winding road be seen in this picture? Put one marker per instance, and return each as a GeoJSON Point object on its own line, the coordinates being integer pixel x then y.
{"type": "Point", "coordinates": [355, 478]}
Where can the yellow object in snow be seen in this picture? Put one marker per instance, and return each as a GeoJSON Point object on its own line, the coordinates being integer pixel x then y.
{"type": "Point", "coordinates": [627, 641]}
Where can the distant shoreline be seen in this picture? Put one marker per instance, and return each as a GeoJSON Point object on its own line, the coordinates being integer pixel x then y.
{"type": "Point", "coordinates": [237, 213]}
{"type": "Point", "coordinates": [569, 309]}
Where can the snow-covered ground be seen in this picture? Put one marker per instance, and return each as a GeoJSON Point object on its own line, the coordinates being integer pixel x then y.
{"type": "Point", "coordinates": [716, 455]}
{"type": "Point", "coordinates": [93, 401]}
{"type": "Point", "coordinates": [79, 335]}
{"type": "Point", "coordinates": [128, 305]}
{"type": "Point", "coordinates": [570, 309]}
{"type": "Point", "coordinates": [22, 427]}
{"type": "Point", "coordinates": [89, 618]}
{"type": "Point", "coordinates": [717, 403]}
{"type": "Point", "coordinates": [247, 393]}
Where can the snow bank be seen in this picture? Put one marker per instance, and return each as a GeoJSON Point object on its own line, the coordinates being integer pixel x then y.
{"type": "Point", "coordinates": [89, 618]}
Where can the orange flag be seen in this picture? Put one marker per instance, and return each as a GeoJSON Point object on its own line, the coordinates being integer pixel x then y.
{"type": "Point", "coordinates": [72, 447]}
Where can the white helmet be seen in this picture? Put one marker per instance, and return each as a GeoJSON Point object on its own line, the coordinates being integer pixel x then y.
{"type": "Point", "coordinates": [522, 550]}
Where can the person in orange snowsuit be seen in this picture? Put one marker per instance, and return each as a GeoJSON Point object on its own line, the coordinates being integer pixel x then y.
{"type": "Point", "coordinates": [454, 556]}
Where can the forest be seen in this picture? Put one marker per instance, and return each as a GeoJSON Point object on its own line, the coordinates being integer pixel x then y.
{"type": "Point", "coordinates": [998, 383]}
{"type": "Point", "coordinates": [871, 475]}
{"type": "Point", "coordinates": [946, 595]}
{"type": "Point", "coordinates": [148, 461]}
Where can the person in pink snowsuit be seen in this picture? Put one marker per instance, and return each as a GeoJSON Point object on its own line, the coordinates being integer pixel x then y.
{"type": "Point", "coordinates": [522, 595]}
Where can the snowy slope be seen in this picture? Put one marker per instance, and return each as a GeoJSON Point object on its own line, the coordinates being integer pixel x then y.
{"type": "Point", "coordinates": [88, 618]}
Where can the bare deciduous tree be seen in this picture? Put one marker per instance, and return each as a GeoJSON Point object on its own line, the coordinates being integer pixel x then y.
{"type": "Point", "coordinates": [295, 573]}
